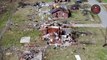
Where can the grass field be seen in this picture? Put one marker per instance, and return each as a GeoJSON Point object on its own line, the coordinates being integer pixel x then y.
{"type": "Point", "coordinates": [5, 16]}
{"type": "Point", "coordinates": [20, 28]}
{"type": "Point", "coordinates": [13, 36]}
{"type": "Point", "coordinates": [4, 19]}
{"type": "Point", "coordinates": [105, 1]}
{"type": "Point", "coordinates": [80, 18]}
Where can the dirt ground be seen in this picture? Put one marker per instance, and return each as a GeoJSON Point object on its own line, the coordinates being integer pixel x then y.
{"type": "Point", "coordinates": [105, 5]}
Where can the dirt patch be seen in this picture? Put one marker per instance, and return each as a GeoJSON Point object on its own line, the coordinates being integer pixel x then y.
{"type": "Point", "coordinates": [105, 5]}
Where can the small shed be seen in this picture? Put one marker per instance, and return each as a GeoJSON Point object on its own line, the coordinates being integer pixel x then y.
{"type": "Point", "coordinates": [25, 40]}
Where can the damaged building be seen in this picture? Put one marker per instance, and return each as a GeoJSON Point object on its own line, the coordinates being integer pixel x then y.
{"type": "Point", "coordinates": [60, 13]}
{"type": "Point", "coordinates": [57, 35]}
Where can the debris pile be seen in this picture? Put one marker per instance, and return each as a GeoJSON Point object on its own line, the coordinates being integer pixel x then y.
{"type": "Point", "coordinates": [56, 34]}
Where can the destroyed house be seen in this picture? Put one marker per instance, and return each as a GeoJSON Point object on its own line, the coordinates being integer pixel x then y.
{"type": "Point", "coordinates": [57, 35]}
{"type": "Point", "coordinates": [60, 13]}
{"type": "Point", "coordinates": [52, 33]}
{"type": "Point", "coordinates": [53, 29]}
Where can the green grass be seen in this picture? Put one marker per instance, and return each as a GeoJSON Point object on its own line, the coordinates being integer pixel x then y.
{"type": "Point", "coordinates": [105, 1]}
{"type": "Point", "coordinates": [60, 54]}
{"type": "Point", "coordinates": [13, 37]}
{"type": "Point", "coordinates": [102, 54]}
{"type": "Point", "coordinates": [5, 16]}
{"type": "Point", "coordinates": [4, 19]}
{"type": "Point", "coordinates": [78, 17]}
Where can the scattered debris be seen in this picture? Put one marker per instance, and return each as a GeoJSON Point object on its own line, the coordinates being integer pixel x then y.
{"type": "Point", "coordinates": [60, 13]}
{"type": "Point", "coordinates": [56, 34]}
{"type": "Point", "coordinates": [59, 1]}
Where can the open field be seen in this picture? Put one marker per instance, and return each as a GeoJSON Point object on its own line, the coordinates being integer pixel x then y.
{"type": "Point", "coordinates": [78, 17]}
{"type": "Point", "coordinates": [18, 29]}
{"type": "Point", "coordinates": [5, 16]}
{"type": "Point", "coordinates": [21, 26]}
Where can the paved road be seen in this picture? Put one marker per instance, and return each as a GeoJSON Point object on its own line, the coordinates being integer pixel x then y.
{"type": "Point", "coordinates": [87, 25]}
{"type": "Point", "coordinates": [102, 14]}
{"type": "Point", "coordinates": [84, 25]}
